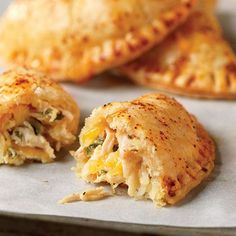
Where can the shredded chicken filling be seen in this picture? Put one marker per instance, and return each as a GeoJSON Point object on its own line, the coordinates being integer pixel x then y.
{"type": "Point", "coordinates": [103, 158]}
{"type": "Point", "coordinates": [88, 195]}
{"type": "Point", "coordinates": [30, 139]}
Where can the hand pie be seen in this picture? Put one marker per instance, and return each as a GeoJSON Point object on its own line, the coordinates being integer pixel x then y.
{"type": "Point", "coordinates": [195, 60]}
{"type": "Point", "coordinates": [75, 39]}
{"type": "Point", "coordinates": [36, 117]}
{"type": "Point", "coordinates": [151, 144]}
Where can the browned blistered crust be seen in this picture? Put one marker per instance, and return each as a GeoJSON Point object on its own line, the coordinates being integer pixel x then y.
{"type": "Point", "coordinates": [21, 88]}
{"type": "Point", "coordinates": [70, 40]}
{"type": "Point", "coordinates": [194, 61]}
{"type": "Point", "coordinates": [165, 151]}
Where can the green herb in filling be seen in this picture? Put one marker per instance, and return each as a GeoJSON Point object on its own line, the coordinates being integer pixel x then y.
{"type": "Point", "coordinates": [103, 172]}
{"type": "Point", "coordinates": [47, 111]}
{"type": "Point", "coordinates": [18, 134]}
{"type": "Point", "coordinates": [89, 150]}
{"type": "Point", "coordinates": [11, 153]}
{"type": "Point", "coordinates": [52, 114]}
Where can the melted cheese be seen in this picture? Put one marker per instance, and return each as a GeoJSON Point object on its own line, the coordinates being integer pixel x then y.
{"type": "Point", "coordinates": [108, 164]}
{"type": "Point", "coordinates": [90, 136]}
{"type": "Point", "coordinates": [32, 153]}
{"type": "Point", "coordinates": [113, 164]}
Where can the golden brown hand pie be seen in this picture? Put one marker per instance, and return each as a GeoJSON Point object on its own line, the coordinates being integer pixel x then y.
{"type": "Point", "coordinates": [195, 60]}
{"type": "Point", "coordinates": [151, 144]}
{"type": "Point", "coordinates": [36, 117]}
{"type": "Point", "coordinates": [75, 39]}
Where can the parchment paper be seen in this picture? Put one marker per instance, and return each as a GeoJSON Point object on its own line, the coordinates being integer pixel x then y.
{"type": "Point", "coordinates": [36, 188]}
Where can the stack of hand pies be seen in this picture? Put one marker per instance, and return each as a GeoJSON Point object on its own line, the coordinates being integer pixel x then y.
{"type": "Point", "coordinates": [151, 145]}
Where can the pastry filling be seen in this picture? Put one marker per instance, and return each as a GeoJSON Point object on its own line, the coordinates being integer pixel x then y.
{"type": "Point", "coordinates": [106, 156]}
{"type": "Point", "coordinates": [33, 134]}
{"type": "Point", "coordinates": [99, 157]}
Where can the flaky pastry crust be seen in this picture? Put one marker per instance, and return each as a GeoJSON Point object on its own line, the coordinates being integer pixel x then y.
{"type": "Point", "coordinates": [194, 61]}
{"type": "Point", "coordinates": [75, 39]}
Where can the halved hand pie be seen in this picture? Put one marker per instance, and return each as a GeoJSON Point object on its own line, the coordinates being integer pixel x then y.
{"type": "Point", "coordinates": [75, 39]}
{"type": "Point", "coordinates": [151, 144]}
{"type": "Point", "coordinates": [36, 117]}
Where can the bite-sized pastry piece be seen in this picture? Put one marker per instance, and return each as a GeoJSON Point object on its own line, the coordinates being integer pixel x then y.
{"type": "Point", "coordinates": [151, 144]}
{"type": "Point", "coordinates": [75, 39]}
{"type": "Point", "coordinates": [195, 60]}
{"type": "Point", "coordinates": [36, 117]}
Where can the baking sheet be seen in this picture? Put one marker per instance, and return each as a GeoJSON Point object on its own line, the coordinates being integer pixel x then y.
{"type": "Point", "coordinates": [36, 188]}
